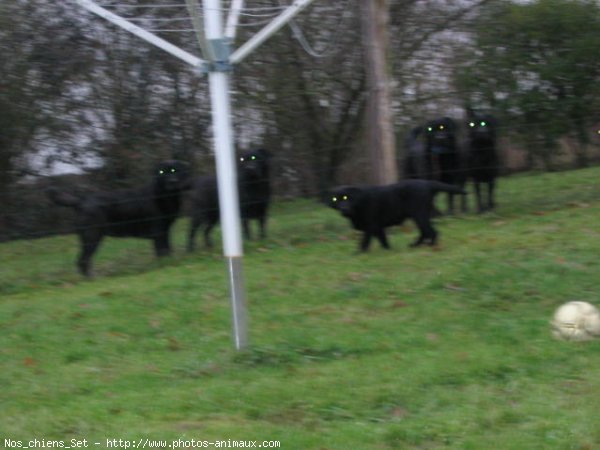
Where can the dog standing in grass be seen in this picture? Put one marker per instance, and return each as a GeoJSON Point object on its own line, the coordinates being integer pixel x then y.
{"type": "Point", "coordinates": [147, 212]}
{"type": "Point", "coordinates": [371, 209]}
{"type": "Point", "coordinates": [254, 188]}
{"type": "Point", "coordinates": [483, 158]}
{"type": "Point", "coordinates": [444, 161]}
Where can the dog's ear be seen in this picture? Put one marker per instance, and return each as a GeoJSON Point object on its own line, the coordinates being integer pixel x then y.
{"type": "Point", "coordinates": [185, 166]}
{"type": "Point", "coordinates": [450, 123]}
{"type": "Point", "coordinates": [264, 153]}
{"type": "Point", "coordinates": [492, 120]}
{"type": "Point", "coordinates": [354, 193]}
{"type": "Point", "coordinates": [184, 169]}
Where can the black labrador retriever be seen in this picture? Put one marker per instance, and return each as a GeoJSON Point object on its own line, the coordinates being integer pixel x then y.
{"type": "Point", "coordinates": [483, 157]}
{"type": "Point", "coordinates": [254, 188]}
{"type": "Point", "coordinates": [147, 212]}
{"type": "Point", "coordinates": [444, 161]}
{"type": "Point", "coordinates": [372, 209]}
{"type": "Point", "coordinates": [414, 166]}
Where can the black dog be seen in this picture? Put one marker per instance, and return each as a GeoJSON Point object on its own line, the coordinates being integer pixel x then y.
{"type": "Point", "coordinates": [372, 209]}
{"type": "Point", "coordinates": [483, 158]}
{"type": "Point", "coordinates": [254, 189]}
{"type": "Point", "coordinates": [146, 212]}
{"type": "Point", "coordinates": [443, 157]}
{"type": "Point", "coordinates": [414, 155]}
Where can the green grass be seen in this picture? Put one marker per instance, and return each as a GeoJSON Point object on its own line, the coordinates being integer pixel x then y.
{"type": "Point", "coordinates": [403, 349]}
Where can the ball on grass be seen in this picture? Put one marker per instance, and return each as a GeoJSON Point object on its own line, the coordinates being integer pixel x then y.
{"type": "Point", "coordinates": [576, 321]}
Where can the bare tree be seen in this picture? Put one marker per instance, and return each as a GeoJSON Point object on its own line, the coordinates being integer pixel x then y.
{"type": "Point", "coordinates": [381, 144]}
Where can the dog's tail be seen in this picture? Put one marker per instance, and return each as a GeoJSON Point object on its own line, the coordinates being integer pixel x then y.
{"type": "Point", "coordinates": [63, 198]}
{"type": "Point", "coordinates": [438, 186]}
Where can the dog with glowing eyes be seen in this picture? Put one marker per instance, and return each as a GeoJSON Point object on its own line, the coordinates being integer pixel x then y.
{"type": "Point", "coordinates": [483, 158]}
{"type": "Point", "coordinates": [254, 188]}
{"type": "Point", "coordinates": [372, 209]}
{"type": "Point", "coordinates": [443, 157]}
{"type": "Point", "coordinates": [147, 212]}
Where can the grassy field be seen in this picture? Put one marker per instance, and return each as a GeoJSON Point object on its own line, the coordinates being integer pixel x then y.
{"type": "Point", "coordinates": [445, 348]}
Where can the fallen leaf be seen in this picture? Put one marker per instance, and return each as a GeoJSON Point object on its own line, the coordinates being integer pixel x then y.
{"type": "Point", "coordinates": [174, 344]}
{"type": "Point", "coordinates": [453, 287]}
{"type": "Point", "coordinates": [432, 337]}
{"type": "Point", "coordinates": [399, 304]}
{"type": "Point", "coordinates": [29, 362]}
{"type": "Point", "coordinates": [355, 276]}
{"type": "Point", "coordinates": [399, 412]}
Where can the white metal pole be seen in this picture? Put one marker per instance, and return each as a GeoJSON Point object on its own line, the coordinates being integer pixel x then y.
{"type": "Point", "coordinates": [141, 33]}
{"type": "Point", "coordinates": [226, 173]}
{"type": "Point", "coordinates": [232, 19]}
{"type": "Point", "coordinates": [292, 11]}
{"type": "Point", "coordinates": [194, 12]}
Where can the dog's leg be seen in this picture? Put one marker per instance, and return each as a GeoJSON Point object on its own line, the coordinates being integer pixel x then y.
{"type": "Point", "coordinates": [246, 226]}
{"type": "Point", "coordinates": [209, 226]}
{"type": "Point", "coordinates": [365, 242]}
{"type": "Point", "coordinates": [418, 241]}
{"type": "Point", "coordinates": [480, 207]}
{"type": "Point", "coordinates": [432, 235]}
{"type": "Point", "coordinates": [426, 231]}
{"type": "Point", "coordinates": [90, 240]}
{"type": "Point", "coordinates": [262, 220]}
{"type": "Point", "coordinates": [382, 238]}
{"type": "Point", "coordinates": [463, 201]}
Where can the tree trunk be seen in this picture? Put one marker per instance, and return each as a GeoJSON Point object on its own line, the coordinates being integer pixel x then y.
{"type": "Point", "coordinates": [381, 145]}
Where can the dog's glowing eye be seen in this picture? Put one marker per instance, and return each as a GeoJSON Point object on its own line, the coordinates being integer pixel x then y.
{"type": "Point", "coordinates": [172, 170]}
{"type": "Point", "coordinates": [242, 159]}
{"type": "Point", "coordinates": [161, 171]}
{"type": "Point", "coordinates": [253, 158]}
{"type": "Point", "coordinates": [345, 197]}
{"type": "Point", "coordinates": [441, 127]}
{"type": "Point", "coordinates": [483, 124]}
{"type": "Point", "coordinates": [429, 129]}
{"type": "Point", "coordinates": [334, 199]}
{"type": "Point", "coordinates": [472, 124]}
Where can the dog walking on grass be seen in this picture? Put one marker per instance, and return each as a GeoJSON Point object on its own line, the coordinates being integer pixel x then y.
{"type": "Point", "coordinates": [371, 209]}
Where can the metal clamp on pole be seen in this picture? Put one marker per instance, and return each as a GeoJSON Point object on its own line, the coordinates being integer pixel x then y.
{"type": "Point", "coordinates": [220, 50]}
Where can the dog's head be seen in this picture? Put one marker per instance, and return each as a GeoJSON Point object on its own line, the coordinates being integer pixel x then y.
{"type": "Point", "coordinates": [345, 199]}
{"type": "Point", "coordinates": [481, 127]}
{"type": "Point", "coordinates": [173, 176]}
{"type": "Point", "coordinates": [441, 132]}
{"type": "Point", "coordinates": [254, 164]}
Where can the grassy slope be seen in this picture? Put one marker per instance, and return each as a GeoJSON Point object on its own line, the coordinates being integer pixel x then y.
{"type": "Point", "coordinates": [406, 349]}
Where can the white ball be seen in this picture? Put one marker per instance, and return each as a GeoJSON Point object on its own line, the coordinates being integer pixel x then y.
{"type": "Point", "coordinates": [576, 321]}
